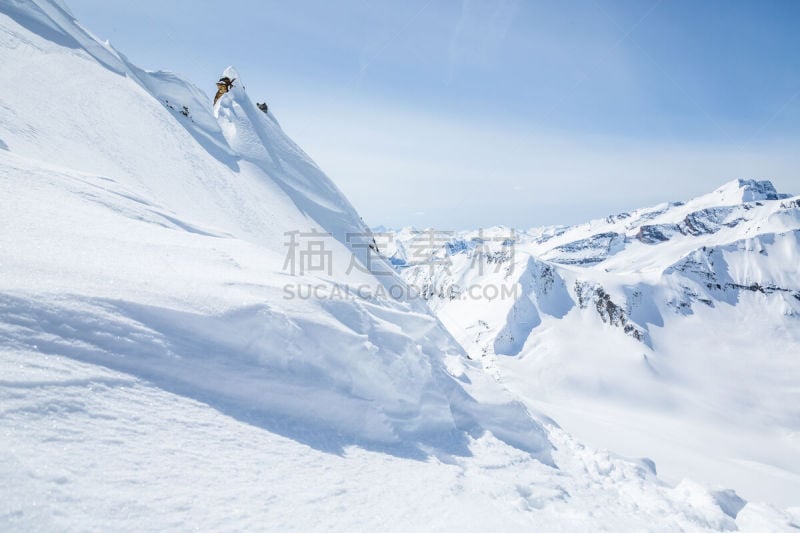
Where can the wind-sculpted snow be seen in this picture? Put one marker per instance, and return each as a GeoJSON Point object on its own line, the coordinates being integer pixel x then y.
{"type": "Point", "coordinates": [161, 459]}
{"type": "Point", "coordinates": [148, 234]}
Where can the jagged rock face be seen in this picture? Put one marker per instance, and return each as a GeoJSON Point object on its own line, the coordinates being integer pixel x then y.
{"type": "Point", "coordinates": [594, 249]}
{"type": "Point", "coordinates": [592, 294]}
{"type": "Point", "coordinates": [703, 222]}
{"type": "Point", "coordinates": [791, 204]}
{"type": "Point", "coordinates": [754, 190]}
{"type": "Point", "coordinates": [656, 234]}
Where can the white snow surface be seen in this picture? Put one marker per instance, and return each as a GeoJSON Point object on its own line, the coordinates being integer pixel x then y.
{"type": "Point", "coordinates": [671, 331]}
{"type": "Point", "coordinates": [154, 374]}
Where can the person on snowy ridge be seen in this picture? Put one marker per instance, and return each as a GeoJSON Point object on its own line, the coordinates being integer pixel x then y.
{"type": "Point", "coordinates": [223, 85]}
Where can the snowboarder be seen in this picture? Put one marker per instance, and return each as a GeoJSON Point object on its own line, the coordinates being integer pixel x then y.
{"type": "Point", "coordinates": [223, 85]}
{"type": "Point", "coordinates": [262, 106]}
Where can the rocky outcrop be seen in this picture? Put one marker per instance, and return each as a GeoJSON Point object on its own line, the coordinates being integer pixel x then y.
{"type": "Point", "coordinates": [591, 294]}
{"type": "Point", "coordinates": [591, 250]}
{"type": "Point", "coordinates": [702, 222]}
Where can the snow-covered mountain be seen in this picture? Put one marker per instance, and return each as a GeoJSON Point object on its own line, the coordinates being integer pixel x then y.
{"type": "Point", "coordinates": [162, 369]}
{"type": "Point", "coordinates": [674, 329]}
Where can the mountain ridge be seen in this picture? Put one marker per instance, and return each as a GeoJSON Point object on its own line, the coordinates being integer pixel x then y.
{"type": "Point", "coordinates": [727, 260]}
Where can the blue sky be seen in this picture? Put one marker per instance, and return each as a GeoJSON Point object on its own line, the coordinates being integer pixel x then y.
{"type": "Point", "coordinates": [470, 113]}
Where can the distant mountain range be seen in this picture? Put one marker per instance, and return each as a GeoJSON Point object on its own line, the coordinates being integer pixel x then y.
{"type": "Point", "coordinates": [685, 310]}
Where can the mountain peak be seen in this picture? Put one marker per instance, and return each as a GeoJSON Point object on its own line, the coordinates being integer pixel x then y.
{"type": "Point", "coordinates": [747, 190]}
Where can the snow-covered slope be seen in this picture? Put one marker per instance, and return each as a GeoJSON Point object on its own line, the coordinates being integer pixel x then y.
{"type": "Point", "coordinates": [673, 329]}
{"type": "Point", "coordinates": [154, 241]}
{"type": "Point", "coordinates": [156, 371]}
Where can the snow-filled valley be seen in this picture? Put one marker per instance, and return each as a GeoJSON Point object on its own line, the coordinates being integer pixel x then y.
{"type": "Point", "coordinates": [160, 369]}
